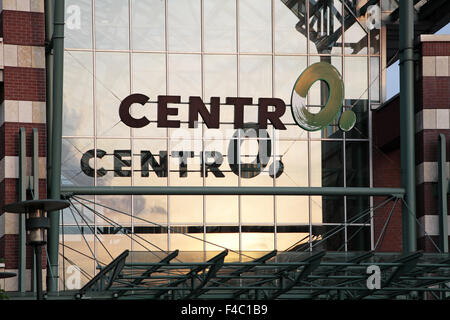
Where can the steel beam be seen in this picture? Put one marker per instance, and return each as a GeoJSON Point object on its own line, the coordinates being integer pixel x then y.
{"type": "Point", "coordinates": [287, 191]}
{"type": "Point", "coordinates": [55, 179]}
{"type": "Point", "coordinates": [407, 119]}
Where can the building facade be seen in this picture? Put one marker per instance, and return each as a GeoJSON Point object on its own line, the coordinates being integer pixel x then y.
{"type": "Point", "coordinates": [217, 51]}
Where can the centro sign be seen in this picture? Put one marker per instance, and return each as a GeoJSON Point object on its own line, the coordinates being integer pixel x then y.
{"type": "Point", "coordinates": [269, 110]}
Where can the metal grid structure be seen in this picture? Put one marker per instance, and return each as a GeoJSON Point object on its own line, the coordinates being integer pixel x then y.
{"type": "Point", "coordinates": [286, 275]}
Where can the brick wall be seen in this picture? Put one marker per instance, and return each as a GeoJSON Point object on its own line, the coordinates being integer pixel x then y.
{"type": "Point", "coordinates": [22, 105]}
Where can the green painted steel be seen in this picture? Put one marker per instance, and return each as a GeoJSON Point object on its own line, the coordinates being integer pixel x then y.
{"type": "Point", "coordinates": [442, 194]}
{"type": "Point", "coordinates": [407, 125]}
{"type": "Point", "coordinates": [22, 196]}
{"type": "Point", "coordinates": [55, 179]}
{"type": "Point", "coordinates": [287, 191]}
{"type": "Point", "coordinates": [48, 8]}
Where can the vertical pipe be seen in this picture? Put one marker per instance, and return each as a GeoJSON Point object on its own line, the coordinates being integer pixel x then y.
{"type": "Point", "coordinates": [407, 124]}
{"type": "Point", "coordinates": [55, 180]}
{"type": "Point", "coordinates": [22, 197]}
{"type": "Point", "coordinates": [442, 194]}
{"type": "Point", "coordinates": [48, 79]}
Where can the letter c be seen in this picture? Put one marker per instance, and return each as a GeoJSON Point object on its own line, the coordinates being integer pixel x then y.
{"type": "Point", "coordinates": [124, 110]}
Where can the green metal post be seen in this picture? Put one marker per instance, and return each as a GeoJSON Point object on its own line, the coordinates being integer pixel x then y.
{"type": "Point", "coordinates": [55, 180]}
{"type": "Point", "coordinates": [48, 78]}
{"type": "Point", "coordinates": [442, 194]}
{"type": "Point", "coordinates": [22, 197]}
{"type": "Point", "coordinates": [407, 124]}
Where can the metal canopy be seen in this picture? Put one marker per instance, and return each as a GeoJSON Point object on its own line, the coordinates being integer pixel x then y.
{"type": "Point", "coordinates": [282, 275]}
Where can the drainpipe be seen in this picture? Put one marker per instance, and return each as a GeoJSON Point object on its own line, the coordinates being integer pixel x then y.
{"type": "Point", "coordinates": [48, 85]}
{"type": "Point", "coordinates": [55, 179]}
{"type": "Point", "coordinates": [407, 125]}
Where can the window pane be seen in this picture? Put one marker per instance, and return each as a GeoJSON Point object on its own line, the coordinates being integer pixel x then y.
{"type": "Point", "coordinates": [71, 155]}
{"type": "Point", "coordinates": [220, 77]}
{"type": "Point", "coordinates": [112, 86]}
{"type": "Point", "coordinates": [287, 71]}
{"type": "Point", "coordinates": [255, 77]}
{"type": "Point", "coordinates": [111, 24]}
{"type": "Point", "coordinates": [149, 209]}
{"type": "Point", "coordinates": [292, 210]}
{"type": "Point", "coordinates": [184, 25]}
{"type": "Point", "coordinates": [111, 211]}
{"type": "Point", "coordinates": [355, 36]}
{"type": "Point", "coordinates": [255, 21]}
{"type": "Point", "coordinates": [221, 210]}
{"type": "Point", "coordinates": [374, 79]}
{"type": "Point", "coordinates": [150, 162]}
{"type": "Point", "coordinates": [148, 24]}
{"type": "Point", "coordinates": [357, 164]}
{"type": "Point", "coordinates": [294, 156]}
{"type": "Point", "coordinates": [257, 242]}
{"type": "Point", "coordinates": [257, 210]}
{"type": "Point", "coordinates": [78, 26]}
{"type": "Point", "coordinates": [220, 26]}
{"type": "Point", "coordinates": [325, 31]}
{"type": "Point", "coordinates": [185, 75]}
{"type": "Point", "coordinates": [78, 115]}
{"type": "Point", "coordinates": [290, 26]}
{"type": "Point", "coordinates": [149, 74]}
{"type": "Point", "coordinates": [114, 162]}
{"type": "Point", "coordinates": [327, 164]}
{"type": "Point", "coordinates": [355, 75]}
{"type": "Point", "coordinates": [181, 214]}
{"type": "Point", "coordinates": [292, 241]}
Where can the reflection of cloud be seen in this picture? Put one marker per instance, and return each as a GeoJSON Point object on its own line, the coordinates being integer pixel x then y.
{"type": "Point", "coordinates": [158, 209]}
{"type": "Point", "coordinates": [143, 206]}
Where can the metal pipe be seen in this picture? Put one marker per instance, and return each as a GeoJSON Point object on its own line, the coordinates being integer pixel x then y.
{"type": "Point", "coordinates": [55, 179]}
{"type": "Point", "coordinates": [442, 194]}
{"type": "Point", "coordinates": [22, 197]}
{"type": "Point", "coordinates": [287, 191]}
{"type": "Point", "coordinates": [49, 80]}
{"type": "Point", "coordinates": [407, 125]}
{"type": "Point", "coordinates": [38, 257]}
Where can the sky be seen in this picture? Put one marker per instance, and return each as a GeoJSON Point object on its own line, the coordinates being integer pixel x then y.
{"type": "Point", "coordinates": [392, 72]}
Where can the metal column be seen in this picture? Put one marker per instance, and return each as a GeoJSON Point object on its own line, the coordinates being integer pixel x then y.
{"type": "Point", "coordinates": [407, 124]}
{"type": "Point", "coordinates": [55, 179]}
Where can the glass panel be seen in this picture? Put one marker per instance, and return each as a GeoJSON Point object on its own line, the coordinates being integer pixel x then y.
{"type": "Point", "coordinates": [358, 238]}
{"type": "Point", "coordinates": [112, 86]}
{"type": "Point", "coordinates": [111, 24]}
{"type": "Point", "coordinates": [76, 251]}
{"type": "Point", "coordinates": [375, 79]}
{"type": "Point", "coordinates": [148, 25]}
{"type": "Point", "coordinates": [217, 164]}
{"type": "Point", "coordinates": [184, 25]}
{"type": "Point", "coordinates": [327, 164]}
{"type": "Point", "coordinates": [113, 211]}
{"type": "Point", "coordinates": [78, 213]}
{"type": "Point", "coordinates": [255, 21]}
{"type": "Point", "coordinates": [257, 210]}
{"type": "Point", "coordinates": [221, 210]}
{"type": "Point", "coordinates": [355, 78]}
{"type": "Point", "coordinates": [294, 155]}
{"type": "Point", "coordinates": [114, 162]}
{"type": "Point", "coordinates": [78, 115]}
{"type": "Point", "coordinates": [331, 209]}
{"type": "Point", "coordinates": [255, 77]}
{"type": "Point", "coordinates": [257, 241]}
{"type": "Point", "coordinates": [292, 210]}
{"type": "Point", "coordinates": [292, 241]}
{"type": "Point", "coordinates": [358, 209]}
{"type": "Point", "coordinates": [290, 26]}
{"type": "Point", "coordinates": [185, 162]}
{"type": "Point", "coordinates": [356, 34]}
{"type": "Point", "coordinates": [220, 26]}
{"type": "Point", "coordinates": [72, 171]}
{"type": "Point", "coordinates": [151, 208]}
{"type": "Point", "coordinates": [190, 242]}
{"type": "Point", "coordinates": [151, 242]}
{"type": "Point", "coordinates": [150, 162]}
{"type": "Point", "coordinates": [180, 213]}
{"type": "Point", "coordinates": [357, 164]}
{"type": "Point", "coordinates": [220, 78]}
{"type": "Point", "coordinates": [375, 41]}
{"type": "Point", "coordinates": [328, 242]}
{"type": "Point", "coordinates": [287, 71]}
{"type": "Point", "coordinates": [78, 26]}
{"type": "Point", "coordinates": [185, 75]}
{"type": "Point", "coordinates": [325, 26]}
{"type": "Point", "coordinates": [113, 245]}
{"type": "Point", "coordinates": [361, 128]}
{"type": "Point", "coordinates": [227, 240]}
{"type": "Point", "coordinates": [255, 159]}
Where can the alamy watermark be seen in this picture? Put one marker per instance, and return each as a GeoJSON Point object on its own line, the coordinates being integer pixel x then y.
{"type": "Point", "coordinates": [374, 280]}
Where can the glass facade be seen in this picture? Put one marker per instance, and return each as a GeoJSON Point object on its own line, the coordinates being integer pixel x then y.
{"type": "Point", "coordinates": [212, 48]}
